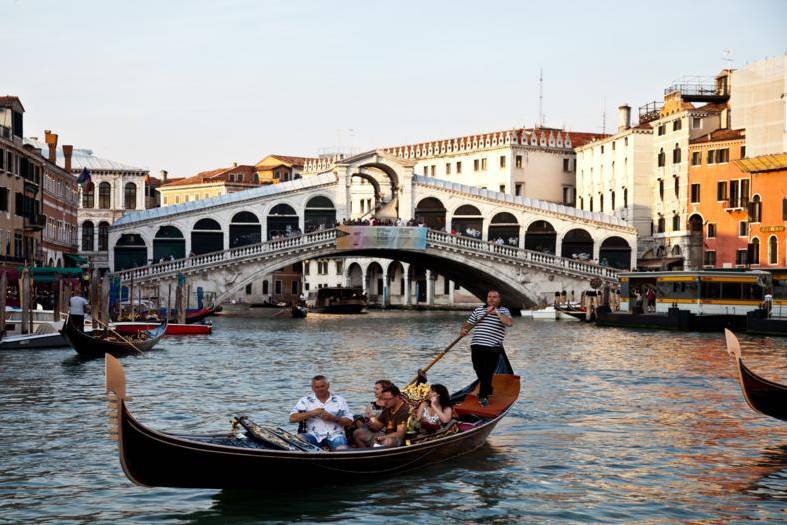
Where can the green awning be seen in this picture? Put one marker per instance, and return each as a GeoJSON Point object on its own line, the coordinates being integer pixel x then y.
{"type": "Point", "coordinates": [75, 259]}
{"type": "Point", "coordinates": [52, 272]}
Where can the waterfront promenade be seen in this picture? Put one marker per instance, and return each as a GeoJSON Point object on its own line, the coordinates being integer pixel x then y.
{"type": "Point", "coordinates": [611, 425]}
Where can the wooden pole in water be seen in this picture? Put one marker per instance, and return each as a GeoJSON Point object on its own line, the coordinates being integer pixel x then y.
{"type": "Point", "coordinates": [56, 302]}
{"type": "Point", "coordinates": [188, 297]}
{"type": "Point", "coordinates": [169, 301]}
{"type": "Point", "coordinates": [139, 301]}
{"type": "Point", "coordinates": [131, 297]}
{"type": "Point", "coordinates": [3, 287]}
{"type": "Point", "coordinates": [105, 300]}
{"type": "Point", "coordinates": [24, 299]}
{"type": "Point", "coordinates": [181, 314]}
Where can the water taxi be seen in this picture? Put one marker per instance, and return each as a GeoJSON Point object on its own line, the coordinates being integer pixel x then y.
{"type": "Point", "coordinates": [702, 300]}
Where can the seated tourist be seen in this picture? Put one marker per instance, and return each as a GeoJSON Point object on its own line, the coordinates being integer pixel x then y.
{"type": "Point", "coordinates": [435, 411]}
{"type": "Point", "coordinates": [325, 416]}
{"type": "Point", "coordinates": [374, 408]}
{"type": "Point", "coordinates": [388, 428]}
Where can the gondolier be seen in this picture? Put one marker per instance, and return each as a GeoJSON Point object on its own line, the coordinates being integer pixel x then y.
{"type": "Point", "coordinates": [77, 307]}
{"type": "Point", "coordinates": [489, 324]}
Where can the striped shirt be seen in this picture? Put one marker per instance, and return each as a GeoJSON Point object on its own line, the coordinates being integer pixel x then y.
{"type": "Point", "coordinates": [490, 331]}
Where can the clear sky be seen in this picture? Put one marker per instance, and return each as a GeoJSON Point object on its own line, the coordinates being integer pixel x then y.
{"type": "Point", "coordinates": [191, 86]}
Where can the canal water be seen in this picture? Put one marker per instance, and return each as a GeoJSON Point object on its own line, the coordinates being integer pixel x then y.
{"type": "Point", "coordinates": [611, 426]}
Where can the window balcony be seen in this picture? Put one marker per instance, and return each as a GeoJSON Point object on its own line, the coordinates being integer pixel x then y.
{"type": "Point", "coordinates": [36, 223]}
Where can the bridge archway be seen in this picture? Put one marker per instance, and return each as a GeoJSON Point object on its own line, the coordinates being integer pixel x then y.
{"type": "Point", "coordinates": [615, 252]}
{"type": "Point", "coordinates": [130, 251]}
{"type": "Point", "coordinates": [541, 237]}
{"type": "Point", "coordinates": [244, 229]}
{"type": "Point", "coordinates": [282, 221]}
{"type": "Point", "coordinates": [388, 172]}
{"type": "Point", "coordinates": [206, 237]}
{"type": "Point", "coordinates": [504, 226]}
{"type": "Point", "coordinates": [375, 287]}
{"type": "Point", "coordinates": [355, 275]}
{"type": "Point", "coordinates": [432, 212]}
{"type": "Point", "coordinates": [169, 243]}
{"type": "Point", "coordinates": [319, 213]}
{"type": "Point", "coordinates": [468, 221]}
{"type": "Point", "coordinates": [577, 244]}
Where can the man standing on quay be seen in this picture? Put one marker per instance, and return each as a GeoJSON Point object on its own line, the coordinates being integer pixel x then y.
{"type": "Point", "coordinates": [490, 324]}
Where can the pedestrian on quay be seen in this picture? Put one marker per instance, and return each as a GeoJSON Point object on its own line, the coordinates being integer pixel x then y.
{"type": "Point", "coordinates": [650, 295]}
{"type": "Point", "coordinates": [489, 323]}
{"type": "Point", "coordinates": [77, 307]}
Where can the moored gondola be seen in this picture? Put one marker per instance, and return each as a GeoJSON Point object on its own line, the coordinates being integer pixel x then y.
{"type": "Point", "coordinates": [96, 343]}
{"type": "Point", "coordinates": [763, 396]}
{"type": "Point", "coordinates": [154, 458]}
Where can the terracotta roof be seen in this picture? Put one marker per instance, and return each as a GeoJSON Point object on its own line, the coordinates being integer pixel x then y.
{"type": "Point", "coordinates": [763, 163]}
{"type": "Point", "coordinates": [7, 100]}
{"type": "Point", "coordinates": [720, 135]}
{"type": "Point", "coordinates": [204, 177]}
{"type": "Point", "coordinates": [287, 159]}
{"type": "Point", "coordinates": [712, 108]}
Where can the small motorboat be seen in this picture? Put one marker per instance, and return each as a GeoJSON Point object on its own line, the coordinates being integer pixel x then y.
{"type": "Point", "coordinates": [132, 328]}
{"type": "Point", "coordinates": [46, 335]}
{"type": "Point", "coordinates": [763, 396]}
{"type": "Point", "coordinates": [242, 460]}
{"type": "Point", "coordinates": [96, 343]}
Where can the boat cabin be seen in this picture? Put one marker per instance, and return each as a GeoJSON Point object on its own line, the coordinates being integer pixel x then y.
{"type": "Point", "coordinates": [702, 292]}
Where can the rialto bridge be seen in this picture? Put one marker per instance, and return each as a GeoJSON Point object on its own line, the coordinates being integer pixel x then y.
{"type": "Point", "coordinates": [475, 237]}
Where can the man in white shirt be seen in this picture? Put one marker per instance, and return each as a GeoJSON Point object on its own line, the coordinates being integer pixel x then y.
{"type": "Point", "coordinates": [77, 307]}
{"type": "Point", "coordinates": [325, 415]}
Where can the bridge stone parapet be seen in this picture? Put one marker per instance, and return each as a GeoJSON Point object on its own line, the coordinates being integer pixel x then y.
{"type": "Point", "coordinates": [524, 276]}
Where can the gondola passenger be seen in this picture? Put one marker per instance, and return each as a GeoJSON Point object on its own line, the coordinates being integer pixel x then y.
{"type": "Point", "coordinates": [436, 410]}
{"type": "Point", "coordinates": [325, 416]}
{"type": "Point", "coordinates": [387, 429]}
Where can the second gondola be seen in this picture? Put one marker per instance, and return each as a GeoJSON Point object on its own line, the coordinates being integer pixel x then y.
{"type": "Point", "coordinates": [96, 343]}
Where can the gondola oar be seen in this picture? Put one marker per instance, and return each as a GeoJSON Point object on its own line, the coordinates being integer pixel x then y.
{"type": "Point", "coordinates": [448, 348]}
{"type": "Point", "coordinates": [120, 336]}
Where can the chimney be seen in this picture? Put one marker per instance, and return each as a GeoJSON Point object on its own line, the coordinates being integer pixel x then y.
{"type": "Point", "coordinates": [67, 150]}
{"type": "Point", "coordinates": [234, 164]}
{"type": "Point", "coordinates": [724, 119]}
{"type": "Point", "coordinates": [164, 176]}
{"type": "Point", "coordinates": [51, 141]}
{"type": "Point", "coordinates": [624, 117]}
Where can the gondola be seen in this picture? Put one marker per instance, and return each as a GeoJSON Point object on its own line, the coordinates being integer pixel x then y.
{"type": "Point", "coordinates": [573, 312]}
{"type": "Point", "coordinates": [89, 344]}
{"type": "Point", "coordinates": [763, 396]}
{"type": "Point", "coordinates": [235, 460]}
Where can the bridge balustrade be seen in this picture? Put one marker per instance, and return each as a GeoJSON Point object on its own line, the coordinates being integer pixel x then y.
{"type": "Point", "coordinates": [436, 238]}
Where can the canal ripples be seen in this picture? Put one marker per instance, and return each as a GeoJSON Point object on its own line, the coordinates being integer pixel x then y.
{"type": "Point", "coordinates": [612, 425]}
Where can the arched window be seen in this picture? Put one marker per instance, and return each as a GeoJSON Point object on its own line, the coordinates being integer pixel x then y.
{"type": "Point", "coordinates": [773, 250]}
{"type": "Point", "coordinates": [87, 236]}
{"type": "Point", "coordinates": [755, 209]}
{"type": "Point", "coordinates": [103, 236]}
{"type": "Point", "coordinates": [88, 196]}
{"type": "Point", "coordinates": [754, 251]}
{"type": "Point", "coordinates": [130, 196]}
{"type": "Point", "coordinates": [676, 154]}
{"type": "Point", "coordinates": [104, 195]}
{"type": "Point", "coordinates": [661, 158]}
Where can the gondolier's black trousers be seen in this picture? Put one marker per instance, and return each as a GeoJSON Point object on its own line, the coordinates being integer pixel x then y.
{"type": "Point", "coordinates": [485, 360]}
{"type": "Point", "coordinates": [77, 321]}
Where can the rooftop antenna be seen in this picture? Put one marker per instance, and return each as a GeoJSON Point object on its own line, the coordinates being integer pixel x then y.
{"type": "Point", "coordinates": [541, 97]}
{"type": "Point", "coordinates": [727, 57]}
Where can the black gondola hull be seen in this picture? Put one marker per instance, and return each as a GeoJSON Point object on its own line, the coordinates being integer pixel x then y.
{"type": "Point", "coordinates": [764, 396]}
{"type": "Point", "coordinates": [153, 458]}
{"type": "Point", "coordinates": [87, 345]}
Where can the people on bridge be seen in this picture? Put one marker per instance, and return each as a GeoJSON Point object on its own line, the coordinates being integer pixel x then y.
{"type": "Point", "coordinates": [324, 415]}
{"type": "Point", "coordinates": [387, 429]}
{"type": "Point", "coordinates": [489, 323]}
{"type": "Point", "coordinates": [77, 307]}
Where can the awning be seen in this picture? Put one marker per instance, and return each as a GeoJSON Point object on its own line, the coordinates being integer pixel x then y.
{"type": "Point", "coordinates": [76, 260]}
{"type": "Point", "coordinates": [48, 274]}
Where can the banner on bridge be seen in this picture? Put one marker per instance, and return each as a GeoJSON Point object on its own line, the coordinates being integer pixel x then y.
{"type": "Point", "coordinates": [381, 238]}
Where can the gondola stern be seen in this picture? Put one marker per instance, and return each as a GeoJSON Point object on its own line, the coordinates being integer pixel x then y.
{"type": "Point", "coordinates": [733, 345]}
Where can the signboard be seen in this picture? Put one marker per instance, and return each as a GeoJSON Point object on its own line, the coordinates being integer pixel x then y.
{"type": "Point", "coordinates": [381, 238]}
{"type": "Point", "coordinates": [771, 228]}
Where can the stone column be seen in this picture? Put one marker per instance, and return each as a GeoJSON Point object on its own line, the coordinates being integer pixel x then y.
{"type": "Point", "coordinates": [386, 291]}
{"type": "Point", "coordinates": [451, 286]}
{"type": "Point", "coordinates": [596, 249]}
{"type": "Point", "coordinates": [364, 271]}
{"type": "Point", "coordinates": [558, 244]}
{"type": "Point", "coordinates": [430, 280]}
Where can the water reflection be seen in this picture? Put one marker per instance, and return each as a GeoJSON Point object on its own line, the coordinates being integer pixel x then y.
{"type": "Point", "coordinates": [612, 425]}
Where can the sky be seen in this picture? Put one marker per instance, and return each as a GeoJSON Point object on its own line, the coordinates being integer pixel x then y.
{"type": "Point", "coordinates": [198, 85]}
